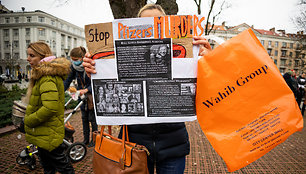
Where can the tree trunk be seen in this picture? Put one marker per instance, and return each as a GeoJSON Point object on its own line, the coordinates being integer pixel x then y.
{"type": "Point", "coordinates": [126, 8]}
{"type": "Point", "coordinates": [170, 6]}
{"type": "Point", "coordinates": [130, 8]}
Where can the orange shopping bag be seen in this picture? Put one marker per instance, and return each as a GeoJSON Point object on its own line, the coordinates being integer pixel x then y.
{"type": "Point", "coordinates": [244, 106]}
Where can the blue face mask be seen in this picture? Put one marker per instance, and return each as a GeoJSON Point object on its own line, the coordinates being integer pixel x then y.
{"type": "Point", "coordinates": [77, 63]}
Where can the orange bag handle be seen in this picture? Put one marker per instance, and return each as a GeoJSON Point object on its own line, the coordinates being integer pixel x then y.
{"type": "Point", "coordinates": [125, 137]}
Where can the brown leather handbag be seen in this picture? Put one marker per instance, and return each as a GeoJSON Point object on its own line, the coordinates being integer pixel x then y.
{"type": "Point", "coordinates": [113, 155]}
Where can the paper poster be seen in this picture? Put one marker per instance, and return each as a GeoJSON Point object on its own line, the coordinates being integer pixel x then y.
{"type": "Point", "coordinates": [146, 69]}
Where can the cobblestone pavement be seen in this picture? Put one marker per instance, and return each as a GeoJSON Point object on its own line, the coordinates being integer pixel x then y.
{"type": "Point", "coordinates": [287, 158]}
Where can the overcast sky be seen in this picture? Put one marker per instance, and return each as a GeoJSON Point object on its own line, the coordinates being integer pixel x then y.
{"type": "Point", "coordinates": [263, 14]}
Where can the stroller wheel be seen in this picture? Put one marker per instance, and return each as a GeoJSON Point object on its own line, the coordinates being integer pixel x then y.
{"type": "Point", "coordinates": [23, 160]}
{"type": "Point", "coordinates": [20, 160]}
{"type": "Point", "coordinates": [32, 163]}
{"type": "Point", "coordinates": [76, 152]}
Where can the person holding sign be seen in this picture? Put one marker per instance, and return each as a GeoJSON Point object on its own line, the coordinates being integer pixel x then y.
{"type": "Point", "coordinates": [168, 143]}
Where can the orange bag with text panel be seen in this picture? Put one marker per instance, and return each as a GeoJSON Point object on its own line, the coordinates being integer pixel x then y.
{"type": "Point", "coordinates": [244, 106]}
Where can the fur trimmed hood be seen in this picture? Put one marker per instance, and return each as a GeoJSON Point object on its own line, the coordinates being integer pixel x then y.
{"type": "Point", "coordinates": [56, 67]}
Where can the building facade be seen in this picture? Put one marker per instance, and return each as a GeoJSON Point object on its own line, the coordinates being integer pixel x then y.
{"type": "Point", "coordinates": [286, 50]}
{"type": "Point", "coordinates": [19, 29]}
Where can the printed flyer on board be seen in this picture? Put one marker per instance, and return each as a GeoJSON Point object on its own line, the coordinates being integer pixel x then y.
{"type": "Point", "coordinates": [146, 69]}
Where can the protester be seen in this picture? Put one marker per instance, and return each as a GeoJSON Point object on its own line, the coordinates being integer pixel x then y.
{"type": "Point", "coordinates": [44, 118]}
{"type": "Point", "coordinates": [301, 88]}
{"type": "Point", "coordinates": [168, 143]}
{"type": "Point", "coordinates": [84, 87]}
{"type": "Point", "coordinates": [291, 82]}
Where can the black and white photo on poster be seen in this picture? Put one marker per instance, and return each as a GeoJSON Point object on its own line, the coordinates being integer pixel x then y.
{"type": "Point", "coordinates": [114, 98]}
{"type": "Point", "coordinates": [143, 59]}
{"type": "Point", "coordinates": [171, 98]}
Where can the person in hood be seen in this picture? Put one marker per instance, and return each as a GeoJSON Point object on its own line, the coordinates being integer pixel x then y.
{"type": "Point", "coordinates": [44, 118]}
{"type": "Point", "coordinates": [84, 87]}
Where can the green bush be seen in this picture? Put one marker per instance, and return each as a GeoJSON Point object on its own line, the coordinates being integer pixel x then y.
{"type": "Point", "coordinates": [72, 103]}
{"type": "Point", "coordinates": [6, 103]}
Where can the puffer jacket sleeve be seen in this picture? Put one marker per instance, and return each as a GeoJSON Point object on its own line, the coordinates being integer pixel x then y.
{"type": "Point", "coordinates": [49, 98]}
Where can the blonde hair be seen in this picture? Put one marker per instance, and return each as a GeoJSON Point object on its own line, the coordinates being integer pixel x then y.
{"type": "Point", "coordinates": [78, 52]}
{"type": "Point", "coordinates": [41, 48]}
{"type": "Point", "coordinates": [151, 7]}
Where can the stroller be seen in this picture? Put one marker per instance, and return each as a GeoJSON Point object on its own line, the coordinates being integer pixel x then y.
{"type": "Point", "coordinates": [75, 151]}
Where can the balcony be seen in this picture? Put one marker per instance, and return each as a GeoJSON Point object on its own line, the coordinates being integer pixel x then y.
{"type": "Point", "coordinates": [284, 56]}
{"type": "Point", "coordinates": [284, 48]}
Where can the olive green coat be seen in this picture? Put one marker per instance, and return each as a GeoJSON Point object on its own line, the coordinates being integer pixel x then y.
{"type": "Point", "coordinates": [44, 119]}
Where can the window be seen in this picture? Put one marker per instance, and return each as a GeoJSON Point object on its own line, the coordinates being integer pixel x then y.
{"type": "Point", "coordinates": [41, 32]}
{"type": "Point", "coordinates": [6, 32]}
{"type": "Point", "coordinates": [269, 52]}
{"type": "Point", "coordinates": [290, 62]}
{"type": "Point", "coordinates": [270, 43]}
{"type": "Point", "coordinates": [41, 19]}
{"type": "Point", "coordinates": [16, 19]}
{"type": "Point", "coordinates": [297, 54]}
{"type": "Point", "coordinates": [62, 41]}
{"type": "Point", "coordinates": [29, 19]}
{"type": "Point", "coordinates": [276, 43]}
{"type": "Point", "coordinates": [262, 42]}
{"type": "Point", "coordinates": [290, 54]}
{"type": "Point", "coordinates": [284, 44]}
{"type": "Point", "coordinates": [7, 55]}
{"type": "Point", "coordinates": [16, 55]}
{"type": "Point", "coordinates": [276, 53]}
{"type": "Point", "coordinates": [28, 42]}
{"type": "Point", "coordinates": [283, 53]}
{"type": "Point", "coordinates": [52, 22]}
{"type": "Point", "coordinates": [291, 45]}
{"type": "Point", "coordinates": [7, 20]}
{"type": "Point", "coordinates": [16, 44]}
{"type": "Point", "coordinates": [297, 46]}
{"type": "Point", "coordinates": [283, 62]}
{"type": "Point", "coordinates": [28, 31]}
{"type": "Point", "coordinates": [7, 44]}
{"type": "Point", "coordinates": [54, 34]}
{"type": "Point", "coordinates": [275, 61]}
{"type": "Point", "coordinates": [296, 63]}
{"type": "Point", "coordinates": [15, 32]}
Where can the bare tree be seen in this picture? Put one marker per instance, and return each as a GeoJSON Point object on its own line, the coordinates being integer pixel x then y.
{"type": "Point", "coordinates": [213, 13]}
{"type": "Point", "coordinates": [300, 19]}
{"type": "Point", "coordinates": [198, 3]}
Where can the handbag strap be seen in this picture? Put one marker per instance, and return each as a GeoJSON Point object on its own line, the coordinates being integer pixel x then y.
{"type": "Point", "coordinates": [125, 138]}
{"type": "Point", "coordinates": [83, 86]}
{"type": "Point", "coordinates": [109, 130]}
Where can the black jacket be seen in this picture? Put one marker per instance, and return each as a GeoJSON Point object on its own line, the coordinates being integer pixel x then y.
{"type": "Point", "coordinates": [163, 140]}
{"type": "Point", "coordinates": [80, 76]}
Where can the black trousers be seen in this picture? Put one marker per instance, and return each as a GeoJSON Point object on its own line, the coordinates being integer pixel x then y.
{"type": "Point", "coordinates": [88, 116]}
{"type": "Point", "coordinates": [56, 160]}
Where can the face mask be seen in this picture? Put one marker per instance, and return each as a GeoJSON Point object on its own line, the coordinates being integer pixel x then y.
{"type": "Point", "coordinates": [77, 63]}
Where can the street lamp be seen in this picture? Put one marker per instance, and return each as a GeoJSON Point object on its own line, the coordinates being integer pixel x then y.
{"type": "Point", "coordinates": [66, 52]}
